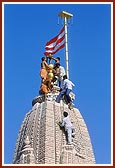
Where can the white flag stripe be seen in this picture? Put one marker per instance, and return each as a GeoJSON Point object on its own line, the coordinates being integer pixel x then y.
{"type": "Point", "coordinates": [53, 44]}
{"type": "Point", "coordinates": [56, 47]}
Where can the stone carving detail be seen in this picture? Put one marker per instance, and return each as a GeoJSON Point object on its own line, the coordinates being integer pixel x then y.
{"type": "Point", "coordinates": [41, 141]}
{"type": "Point", "coordinates": [38, 99]}
{"type": "Point", "coordinates": [27, 156]}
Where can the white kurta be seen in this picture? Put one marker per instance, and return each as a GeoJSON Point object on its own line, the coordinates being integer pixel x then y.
{"type": "Point", "coordinates": [68, 127]}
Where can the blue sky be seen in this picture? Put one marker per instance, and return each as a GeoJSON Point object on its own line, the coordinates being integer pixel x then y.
{"type": "Point", "coordinates": [27, 28]}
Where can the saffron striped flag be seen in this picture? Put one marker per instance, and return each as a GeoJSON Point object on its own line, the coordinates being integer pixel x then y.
{"type": "Point", "coordinates": [56, 43]}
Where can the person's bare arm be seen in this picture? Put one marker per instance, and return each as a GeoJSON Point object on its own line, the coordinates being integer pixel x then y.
{"type": "Point", "coordinates": [50, 56]}
{"type": "Point", "coordinates": [47, 65]}
{"type": "Point", "coordinates": [54, 59]}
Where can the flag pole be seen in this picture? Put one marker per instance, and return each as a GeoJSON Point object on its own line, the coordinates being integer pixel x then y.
{"type": "Point", "coordinates": [65, 15]}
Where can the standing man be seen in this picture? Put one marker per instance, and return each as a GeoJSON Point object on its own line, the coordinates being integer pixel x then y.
{"type": "Point", "coordinates": [59, 72]}
{"type": "Point", "coordinates": [66, 89]}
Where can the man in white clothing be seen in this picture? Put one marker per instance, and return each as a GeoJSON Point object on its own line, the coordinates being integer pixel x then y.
{"type": "Point", "coordinates": [61, 74]}
{"type": "Point", "coordinates": [66, 123]}
{"type": "Point", "coordinates": [66, 89]}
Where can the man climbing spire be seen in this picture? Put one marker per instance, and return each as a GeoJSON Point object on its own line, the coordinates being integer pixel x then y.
{"type": "Point", "coordinates": [66, 123]}
{"type": "Point", "coordinates": [66, 89]}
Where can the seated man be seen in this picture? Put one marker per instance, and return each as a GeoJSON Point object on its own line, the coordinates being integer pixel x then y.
{"type": "Point", "coordinates": [66, 89]}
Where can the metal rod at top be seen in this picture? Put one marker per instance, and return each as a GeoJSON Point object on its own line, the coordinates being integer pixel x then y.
{"type": "Point", "coordinates": [65, 15]}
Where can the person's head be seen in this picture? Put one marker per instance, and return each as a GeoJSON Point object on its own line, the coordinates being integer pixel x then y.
{"type": "Point", "coordinates": [64, 77]}
{"type": "Point", "coordinates": [43, 58]}
{"type": "Point", "coordinates": [65, 114]}
{"type": "Point", "coordinates": [58, 58]}
{"type": "Point", "coordinates": [57, 65]}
